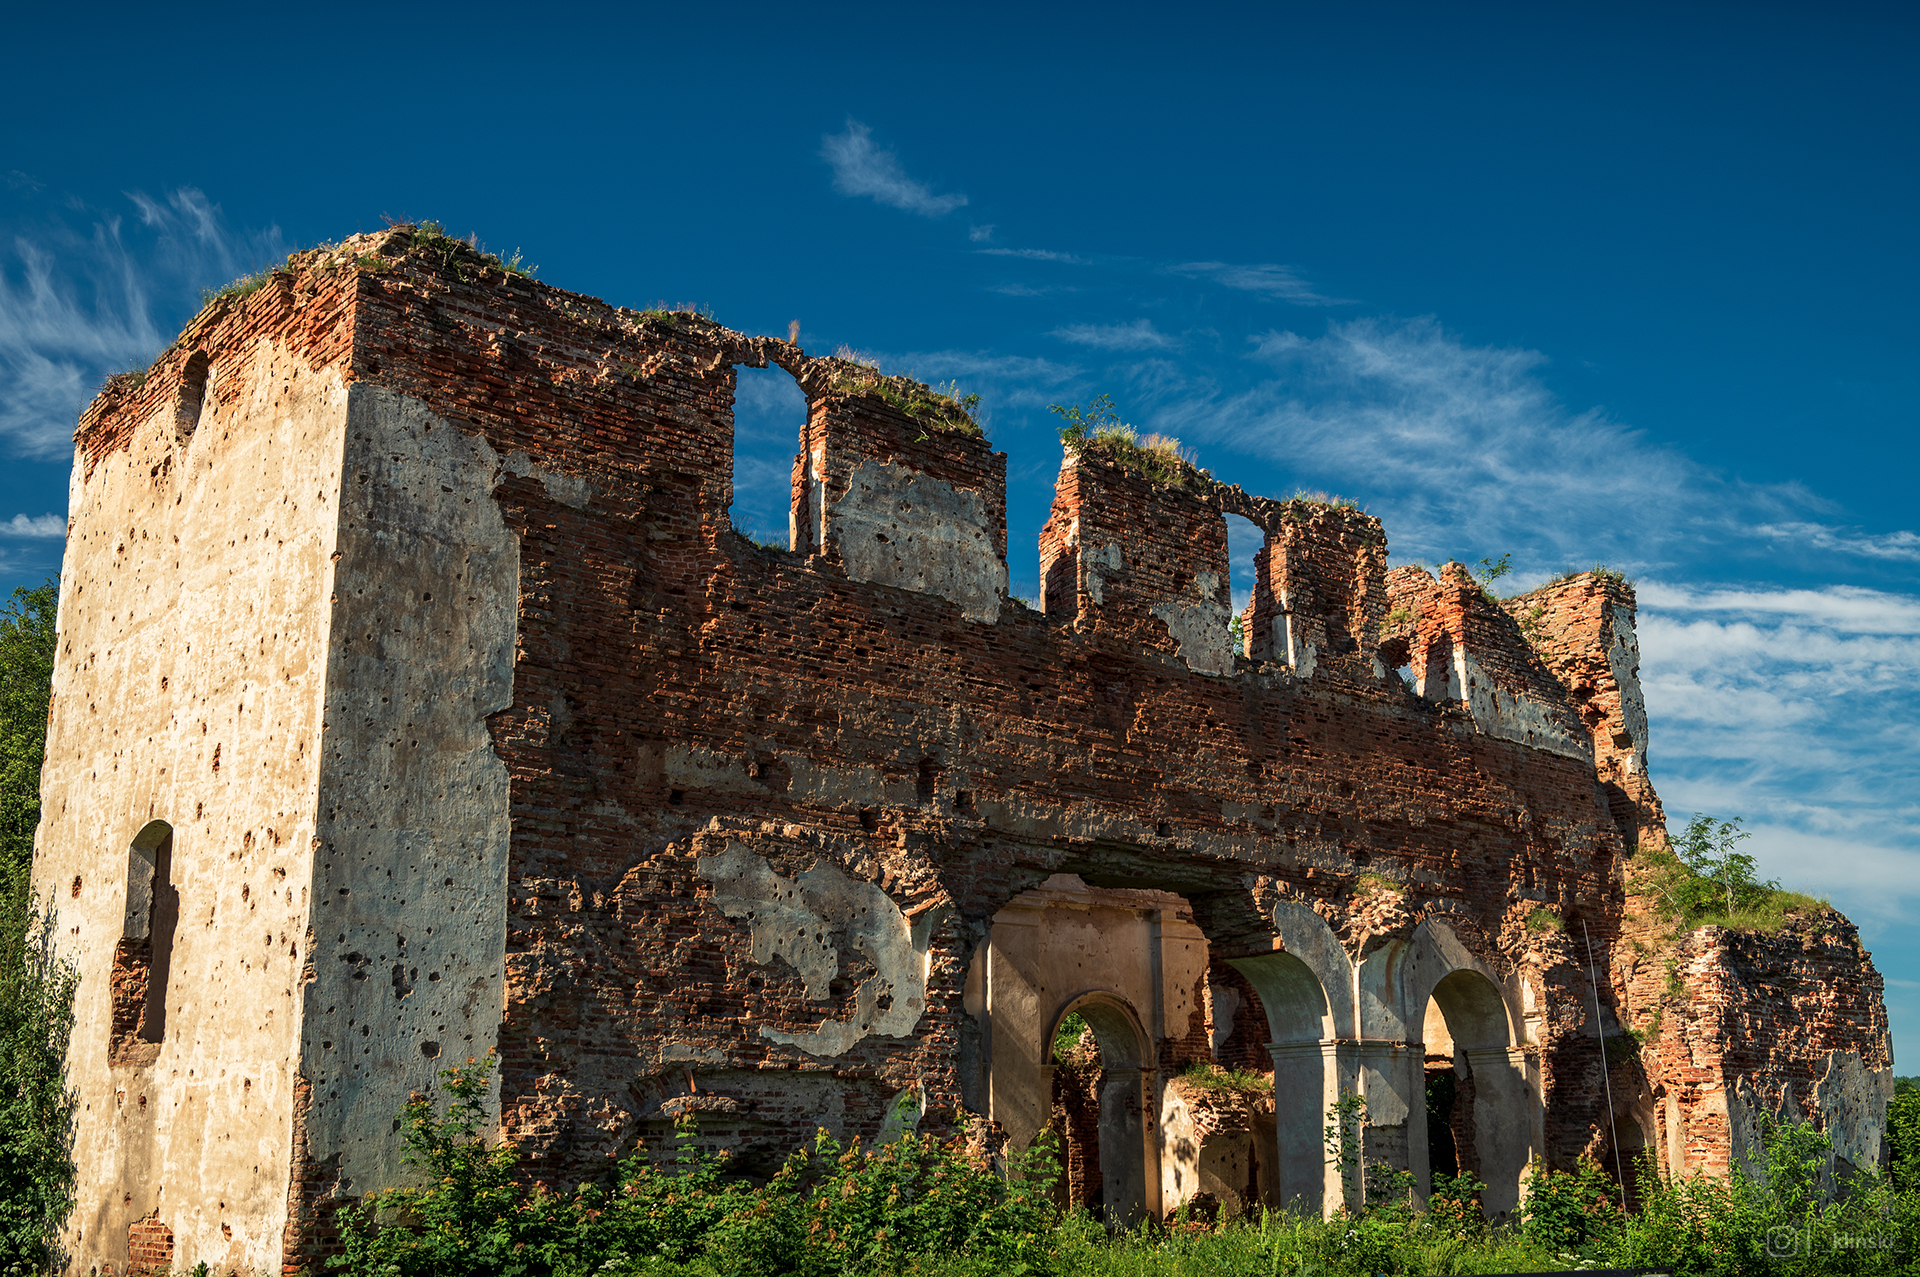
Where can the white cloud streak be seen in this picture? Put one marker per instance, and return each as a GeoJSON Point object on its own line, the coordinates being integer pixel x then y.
{"type": "Point", "coordinates": [76, 305]}
{"type": "Point", "coordinates": [1791, 707]}
{"type": "Point", "coordinates": [1281, 283]}
{"type": "Point", "coordinates": [1138, 335]}
{"type": "Point", "coordinates": [862, 169]}
{"type": "Point", "coordinates": [34, 526]}
{"type": "Point", "coordinates": [1033, 255]}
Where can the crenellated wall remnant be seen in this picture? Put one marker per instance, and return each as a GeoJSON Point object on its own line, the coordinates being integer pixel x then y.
{"type": "Point", "coordinates": [402, 607]}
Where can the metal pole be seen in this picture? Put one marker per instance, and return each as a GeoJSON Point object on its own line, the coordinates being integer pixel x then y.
{"type": "Point", "coordinates": [1613, 1132]}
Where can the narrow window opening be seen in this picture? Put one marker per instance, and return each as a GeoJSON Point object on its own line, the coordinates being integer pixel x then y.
{"type": "Point", "coordinates": [195, 382]}
{"type": "Point", "coordinates": [1244, 541]}
{"type": "Point", "coordinates": [769, 425]}
{"type": "Point", "coordinates": [143, 958]}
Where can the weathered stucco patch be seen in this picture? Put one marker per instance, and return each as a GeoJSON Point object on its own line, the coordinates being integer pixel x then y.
{"type": "Point", "coordinates": [899, 527]}
{"type": "Point", "coordinates": [802, 920]}
{"type": "Point", "coordinates": [1199, 626]}
{"type": "Point", "coordinates": [1852, 1099]}
{"type": "Point", "coordinates": [410, 886]}
{"type": "Point", "coordinates": [1623, 658]}
{"type": "Point", "coordinates": [1514, 717]}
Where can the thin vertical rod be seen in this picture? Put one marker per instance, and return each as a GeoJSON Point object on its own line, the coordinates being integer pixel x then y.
{"type": "Point", "coordinates": [1613, 1131]}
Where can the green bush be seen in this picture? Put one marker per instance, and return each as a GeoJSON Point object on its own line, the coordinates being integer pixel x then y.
{"type": "Point", "coordinates": [36, 988]}
{"type": "Point", "coordinates": [831, 1209]}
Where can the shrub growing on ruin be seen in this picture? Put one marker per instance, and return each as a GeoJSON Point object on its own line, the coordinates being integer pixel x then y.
{"type": "Point", "coordinates": [1097, 430]}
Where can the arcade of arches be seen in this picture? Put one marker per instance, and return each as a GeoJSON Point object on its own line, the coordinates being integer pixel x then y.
{"type": "Point", "coordinates": [1141, 976]}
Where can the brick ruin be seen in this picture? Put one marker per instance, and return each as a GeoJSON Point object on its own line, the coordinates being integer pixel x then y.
{"type": "Point", "coordinates": [416, 698]}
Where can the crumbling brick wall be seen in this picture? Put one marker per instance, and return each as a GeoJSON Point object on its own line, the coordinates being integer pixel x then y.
{"type": "Point", "coordinates": [679, 823]}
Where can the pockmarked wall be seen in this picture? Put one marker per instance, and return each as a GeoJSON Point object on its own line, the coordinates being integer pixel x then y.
{"type": "Point", "coordinates": [504, 741]}
{"type": "Point", "coordinates": [187, 728]}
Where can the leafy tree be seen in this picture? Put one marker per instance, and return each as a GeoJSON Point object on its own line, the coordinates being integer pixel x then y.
{"type": "Point", "coordinates": [26, 685]}
{"type": "Point", "coordinates": [36, 988]}
{"type": "Point", "coordinates": [1708, 849]}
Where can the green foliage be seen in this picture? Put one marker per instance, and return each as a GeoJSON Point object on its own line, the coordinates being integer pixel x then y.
{"type": "Point", "coordinates": [1708, 849]}
{"type": "Point", "coordinates": [27, 641]}
{"type": "Point", "coordinates": [1208, 1076]}
{"type": "Point", "coordinates": [1342, 1138]}
{"type": "Point", "coordinates": [245, 286]}
{"type": "Point", "coordinates": [431, 238]}
{"type": "Point", "coordinates": [943, 407]}
{"type": "Point", "coordinates": [1237, 634]}
{"type": "Point", "coordinates": [1491, 570]}
{"type": "Point", "coordinates": [1792, 1218]}
{"type": "Point", "coordinates": [1705, 881]}
{"type": "Point", "coordinates": [36, 987]}
{"type": "Point", "coordinates": [1068, 1038]}
{"type": "Point", "coordinates": [1903, 1135]}
{"type": "Point", "coordinates": [831, 1208]}
{"type": "Point", "coordinates": [1096, 430]}
{"type": "Point", "coordinates": [1541, 921]}
{"type": "Point", "coordinates": [1571, 1211]}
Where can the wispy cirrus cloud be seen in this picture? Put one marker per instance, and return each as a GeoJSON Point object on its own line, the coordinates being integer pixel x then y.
{"type": "Point", "coordinates": [863, 169]}
{"type": "Point", "coordinates": [1466, 447]}
{"type": "Point", "coordinates": [1778, 705]}
{"type": "Point", "coordinates": [1900, 546]}
{"type": "Point", "coordinates": [35, 526]}
{"type": "Point", "coordinates": [100, 291]}
{"type": "Point", "coordinates": [1033, 255]}
{"type": "Point", "coordinates": [1282, 283]}
{"type": "Point", "coordinates": [1138, 335]}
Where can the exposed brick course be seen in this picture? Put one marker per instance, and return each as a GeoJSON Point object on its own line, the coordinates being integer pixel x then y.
{"type": "Point", "coordinates": [679, 695]}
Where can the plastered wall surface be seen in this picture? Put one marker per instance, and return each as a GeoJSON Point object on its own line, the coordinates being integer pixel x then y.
{"type": "Point", "coordinates": [189, 686]}
{"type": "Point", "coordinates": [409, 878]}
{"type": "Point", "coordinates": [683, 824]}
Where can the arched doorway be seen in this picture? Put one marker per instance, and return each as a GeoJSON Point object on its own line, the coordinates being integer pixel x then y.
{"type": "Point", "coordinates": [1132, 964]}
{"type": "Point", "coordinates": [1101, 1102]}
{"type": "Point", "coordinates": [1480, 1107]}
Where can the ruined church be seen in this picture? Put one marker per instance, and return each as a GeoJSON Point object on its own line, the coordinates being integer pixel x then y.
{"type": "Point", "coordinates": [416, 700]}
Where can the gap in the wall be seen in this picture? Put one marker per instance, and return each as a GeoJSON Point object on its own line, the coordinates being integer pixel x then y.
{"type": "Point", "coordinates": [769, 415]}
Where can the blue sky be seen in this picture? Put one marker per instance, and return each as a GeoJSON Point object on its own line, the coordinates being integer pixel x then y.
{"type": "Point", "coordinates": [1580, 284]}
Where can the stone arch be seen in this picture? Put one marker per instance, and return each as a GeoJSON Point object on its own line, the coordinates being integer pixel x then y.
{"type": "Point", "coordinates": [1306, 989]}
{"type": "Point", "coordinates": [1126, 1149]}
{"type": "Point", "coordinates": [1463, 1011]}
{"type": "Point", "coordinates": [1133, 962]}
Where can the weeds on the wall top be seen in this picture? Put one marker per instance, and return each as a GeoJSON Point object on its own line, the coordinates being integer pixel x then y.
{"type": "Point", "coordinates": [432, 238]}
{"type": "Point", "coordinates": [1544, 921]}
{"type": "Point", "coordinates": [1205, 1075]}
{"type": "Point", "coordinates": [941, 408]}
{"type": "Point", "coordinates": [1096, 430]}
{"type": "Point", "coordinates": [1314, 496]}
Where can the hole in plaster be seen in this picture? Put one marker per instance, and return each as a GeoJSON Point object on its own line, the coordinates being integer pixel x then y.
{"type": "Point", "coordinates": [869, 819]}
{"type": "Point", "coordinates": [675, 797]}
{"type": "Point", "coordinates": [769, 418]}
